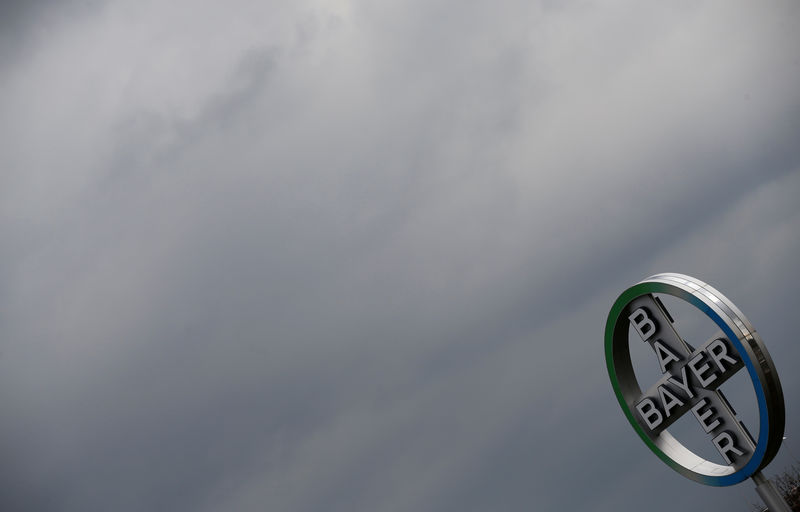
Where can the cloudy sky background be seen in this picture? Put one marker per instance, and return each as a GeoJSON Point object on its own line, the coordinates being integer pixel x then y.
{"type": "Point", "coordinates": [337, 256]}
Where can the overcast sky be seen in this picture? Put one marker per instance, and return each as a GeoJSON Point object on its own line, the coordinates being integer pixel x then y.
{"type": "Point", "coordinates": [344, 255]}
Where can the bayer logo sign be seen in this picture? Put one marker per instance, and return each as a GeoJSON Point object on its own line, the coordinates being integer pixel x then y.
{"type": "Point", "coordinates": [691, 372]}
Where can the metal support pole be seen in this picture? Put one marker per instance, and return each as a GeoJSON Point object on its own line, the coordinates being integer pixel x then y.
{"type": "Point", "coordinates": [769, 493]}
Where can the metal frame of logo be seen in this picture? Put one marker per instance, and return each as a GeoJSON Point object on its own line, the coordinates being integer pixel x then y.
{"type": "Point", "coordinates": [747, 455]}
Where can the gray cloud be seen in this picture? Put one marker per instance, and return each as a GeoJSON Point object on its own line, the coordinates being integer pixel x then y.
{"type": "Point", "coordinates": [342, 257]}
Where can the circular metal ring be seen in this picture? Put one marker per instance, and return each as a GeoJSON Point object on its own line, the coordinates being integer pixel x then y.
{"type": "Point", "coordinates": [746, 342]}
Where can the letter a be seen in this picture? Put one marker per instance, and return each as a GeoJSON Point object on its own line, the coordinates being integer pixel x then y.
{"type": "Point", "coordinates": [668, 400]}
{"type": "Point", "coordinates": [664, 354]}
{"type": "Point", "coordinates": [683, 384]}
{"type": "Point", "coordinates": [644, 326]}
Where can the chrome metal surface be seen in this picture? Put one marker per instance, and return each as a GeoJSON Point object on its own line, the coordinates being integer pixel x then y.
{"type": "Point", "coordinates": [691, 379]}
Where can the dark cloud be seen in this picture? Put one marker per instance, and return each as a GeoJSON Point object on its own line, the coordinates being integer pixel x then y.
{"type": "Point", "coordinates": [345, 257]}
{"type": "Point", "coordinates": [25, 25]}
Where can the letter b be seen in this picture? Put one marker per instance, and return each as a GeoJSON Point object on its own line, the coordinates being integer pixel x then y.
{"type": "Point", "coordinates": [642, 323]}
{"type": "Point", "coordinates": [649, 413]}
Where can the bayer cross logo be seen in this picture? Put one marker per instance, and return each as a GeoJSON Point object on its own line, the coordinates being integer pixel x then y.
{"type": "Point", "coordinates": [690, 382]}
{"type": "Point", "coordinates": [691, 377]}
